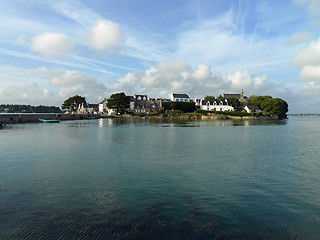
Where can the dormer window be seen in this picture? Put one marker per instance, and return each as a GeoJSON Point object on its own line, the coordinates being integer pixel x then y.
{"type": "Point", "coordinates": [139, 98]}
{"type": "Point", "coordinates": [144, 98]}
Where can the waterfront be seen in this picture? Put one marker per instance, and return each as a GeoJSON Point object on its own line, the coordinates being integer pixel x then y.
{"type": "Point", "coordinates": [143, 179]}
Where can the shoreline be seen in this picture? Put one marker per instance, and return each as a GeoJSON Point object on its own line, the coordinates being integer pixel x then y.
{"type": "Point", "coordinates": [14, 118]}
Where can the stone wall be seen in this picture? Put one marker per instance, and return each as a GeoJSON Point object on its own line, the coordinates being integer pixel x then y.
{"type": "Point", "coordinates": [30, 118]}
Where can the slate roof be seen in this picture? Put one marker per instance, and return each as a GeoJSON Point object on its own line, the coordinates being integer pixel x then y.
{"type": "Point", "coordinates": [141, 96]}
{"type": "Point", "coordinates": [92, 106]}
{"type": "Point", "coordinates": [217, 102]}
{"type": "Point", "coordinates": [104, 100]}
{"type": "Point", "coordinates": [256, 108]}
{"type": "Point", "coordinates": [147, 104]}
{"type": "Point", "coordinates": [178, 95]}
{"type": "Point", "coordinates": [227, 95]}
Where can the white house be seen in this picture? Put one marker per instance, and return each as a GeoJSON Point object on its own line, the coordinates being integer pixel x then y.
{"type": "Point", "coordinates": [177, 97]}
{"type": "Point", "coordinates": [103, 106]}
{"type": "Point", "coordinates": [215, 105]}
{"type": "Point", "coordinates": [249, 109]}
{"type": "Point", "coordinates": [86, 108]}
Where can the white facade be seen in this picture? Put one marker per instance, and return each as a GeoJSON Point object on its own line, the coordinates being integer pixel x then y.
{"type": "Point", "coordinates": [249, 109]}
{"type": "Point", "coordinates": [103, 106]}
{"type": "Point", "coordinates": [215, 106]}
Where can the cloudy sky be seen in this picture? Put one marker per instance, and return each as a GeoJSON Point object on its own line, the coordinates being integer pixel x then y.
{"type": "Point", "coordinates": [51, 50]}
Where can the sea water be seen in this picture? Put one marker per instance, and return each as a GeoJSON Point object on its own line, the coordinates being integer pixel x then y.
{"type": "Point", "coordinates": [156, 179]}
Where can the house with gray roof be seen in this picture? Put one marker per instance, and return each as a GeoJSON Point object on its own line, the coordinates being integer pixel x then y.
{"type": "Point", "coordinates": [143, 104]}
{"type": "Point", "coordinates": [244, 100]}
{"type": "Point", "coordinates": [180, 97]}
{"type": "Point", "coordinates": [215, 105]}
{"type": "Point", "coordinates": [250, 108]}
{"type": "Point", "coordinates": [147, 106]}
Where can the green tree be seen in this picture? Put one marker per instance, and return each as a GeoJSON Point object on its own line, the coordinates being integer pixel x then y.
{"type": "Point", "coordinates": [119, 101]}
{"type": "Point", "coordinates": [209, 98]}
{"type": "Point", "coordinates": [182, 106]}
{"type": "Point", "coordinates": [72, 103]}
{"type": "Point", "coordinates": [257, 100]}
{"type": "Point", "coordinates": [220, 98]}
{"type": "Point", "coordinates": [234, 102]}
{"type": "Point", "coordinates": [275, 106]}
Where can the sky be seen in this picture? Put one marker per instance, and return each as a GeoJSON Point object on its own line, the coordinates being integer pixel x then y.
{"type": "Point", "coordinates": [51, 50]}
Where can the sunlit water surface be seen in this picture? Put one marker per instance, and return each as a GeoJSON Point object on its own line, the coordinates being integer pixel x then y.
{"type": "Point", "coordinates": [148, 179]}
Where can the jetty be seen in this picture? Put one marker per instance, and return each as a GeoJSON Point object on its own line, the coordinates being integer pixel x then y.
{"type": "Point", "coordinates": [12, 118]}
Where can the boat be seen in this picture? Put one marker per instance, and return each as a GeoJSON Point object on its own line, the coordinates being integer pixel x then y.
{"type": "Point", "coordinates": [2, 124]}
{"type": "Point", "coordinates": [48, 121]}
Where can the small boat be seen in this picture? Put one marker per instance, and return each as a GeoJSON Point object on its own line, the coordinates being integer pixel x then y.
{"type": "Point", "coordinates": [2, 124]}
{"type": "Point", "coordinates": [48, 121]}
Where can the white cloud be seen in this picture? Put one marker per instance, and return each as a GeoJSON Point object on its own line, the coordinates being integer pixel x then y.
{"type": "Point", "coordinates": [310, 73]}
{"type": "Point", "coordinates": [246, 80]}
{"type": "Point", "coordinates": [299, 38]}
{"type": "Point", "coordinates": [309, 56]}
{"type": "Point", "coordinates": [201, 73]}
{"type": "Point", "coordinates": [105, 35]}
{"type": "Point", "coordinates": [51, 44]}
{"type": "Point", "coordinates": [308, 61]}
{"type": "Point", "coordinates": [313, 6]}
{"type": "Point", "coordinates": [164, 78]}
{"type": "Point", "coordinates": [29, 93]}
{"type": "Point", "coordinates": [74, 82]}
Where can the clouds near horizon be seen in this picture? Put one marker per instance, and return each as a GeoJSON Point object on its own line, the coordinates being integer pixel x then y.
{"type": "Point", "coordinates": [178, 76]}
{"type": "Point", "coordinates": [201, 47]}
{"type": "Point", "coordinates": [308, 61]}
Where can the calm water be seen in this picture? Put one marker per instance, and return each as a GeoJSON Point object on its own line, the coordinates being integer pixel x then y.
{"type": "Point", "coordinates": [144, 179]}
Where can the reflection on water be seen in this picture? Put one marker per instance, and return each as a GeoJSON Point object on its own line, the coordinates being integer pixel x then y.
{"type": "Point", "coordinates": [160, 179]}
{"type": "Point", "coordinates": [152, 222]}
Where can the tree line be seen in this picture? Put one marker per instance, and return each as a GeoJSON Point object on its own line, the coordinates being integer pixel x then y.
{"type": "Point", "coordinates": [16, 108]}
{"type": "Point", "coordinates": [121, 102]}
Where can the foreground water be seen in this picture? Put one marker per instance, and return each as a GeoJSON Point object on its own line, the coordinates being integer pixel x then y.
{"type": "Point", "coordinates": [144, 179]}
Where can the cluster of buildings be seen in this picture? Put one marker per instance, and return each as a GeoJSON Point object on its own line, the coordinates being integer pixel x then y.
{"type": "Point", "coordinates": [144, 104]}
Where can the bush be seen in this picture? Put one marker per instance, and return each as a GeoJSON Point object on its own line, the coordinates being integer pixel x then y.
{"type": "Point", "coordinates": [202, 112]}
{"type": "Point", "coordinates": [234, 113]}
{"type": "Point", "coordinates": [173, 112]}
{"type": "Point", "coordinates": [182, 106]}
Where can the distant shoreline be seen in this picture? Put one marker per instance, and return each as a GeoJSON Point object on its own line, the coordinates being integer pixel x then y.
{"type": "Point", "coordinates": [13, 118]}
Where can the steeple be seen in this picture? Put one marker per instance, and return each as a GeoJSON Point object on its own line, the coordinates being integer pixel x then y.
{"type": "Point", "coordinates": [242, 93]}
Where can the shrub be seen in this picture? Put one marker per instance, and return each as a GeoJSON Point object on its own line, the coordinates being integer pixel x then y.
{"type": "Point", "coordinates": [173, 112]}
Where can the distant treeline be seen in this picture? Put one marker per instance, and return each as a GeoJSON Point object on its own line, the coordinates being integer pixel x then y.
{"type": "Point", "coordinates": [15, 108]}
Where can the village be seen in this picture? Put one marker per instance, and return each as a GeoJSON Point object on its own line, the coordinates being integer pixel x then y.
{"type": "Point", "coordinates": [142, 104]}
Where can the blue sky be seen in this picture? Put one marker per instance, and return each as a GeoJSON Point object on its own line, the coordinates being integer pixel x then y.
{"type": "Point", "coordinates": [51, 50]}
